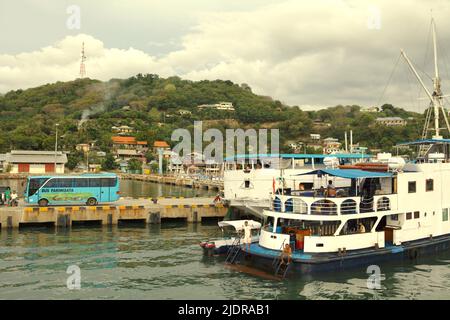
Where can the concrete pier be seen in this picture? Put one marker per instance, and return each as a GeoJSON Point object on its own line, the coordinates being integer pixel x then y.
{"type": "Point", "coordinates": [137, 210]}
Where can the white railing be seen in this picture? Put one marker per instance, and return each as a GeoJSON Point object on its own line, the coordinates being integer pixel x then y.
{"type": "Point", "coordinates": [332, 205]}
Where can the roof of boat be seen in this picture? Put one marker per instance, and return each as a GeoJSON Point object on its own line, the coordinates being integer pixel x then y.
{"type": "Point", "coordinates": [239, 224]}
{"type": "Point", "coordinates": [300, 156]}
{"type": "Point", "coordinates": [350, 173]}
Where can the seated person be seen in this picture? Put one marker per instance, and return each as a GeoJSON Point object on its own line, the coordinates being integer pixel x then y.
{"type": "Point", "coordinates": [321, 191]}
{"type": "Point", "coordinates": [286, 254]}
{"type": "Point", "coordinates": [361, 228]}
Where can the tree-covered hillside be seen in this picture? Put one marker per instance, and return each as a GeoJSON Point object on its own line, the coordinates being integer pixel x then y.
{"type": "Point", "coordinates": [152, 106]}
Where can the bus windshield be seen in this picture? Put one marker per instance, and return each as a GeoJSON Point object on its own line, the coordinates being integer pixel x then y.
{"type": "Point", "coordinates": [34, 184]}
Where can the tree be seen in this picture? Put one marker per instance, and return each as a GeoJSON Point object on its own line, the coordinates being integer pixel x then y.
{"type": "Point", "coordinates": [74, 159]}
{"type": "Point", "coordinates": [109, 163]}
{"type": "Point", "coordinates": [134, 165]}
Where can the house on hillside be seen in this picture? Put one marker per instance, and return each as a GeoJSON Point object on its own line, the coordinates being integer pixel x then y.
{"type": "Point", "coordinates": [331, 145]}
{"type": "Point", "coordinates": [183, 112]}
{"type": "Point", "coordinates": [84, 147]}
{"type": "Point", "coordinates": [159, 144]}
{"type": "Point", "coordinates": [127, 148]}
{"type": "Point", "coordinates": [25, 161]}
{"type": "Point", "coordinates": [226, 106]}
{"type": "Point", "coordinates": [317, 123]}
{"type": "Point", "coordinates": [122, 130]}
{"type": "Point", "coordinates": [391, 121]}
{"type": "Point", "coordinates": [371, 109]}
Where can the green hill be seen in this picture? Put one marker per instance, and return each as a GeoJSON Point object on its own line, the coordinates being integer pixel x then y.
{"type": "Point", "coordinates": [152, 105]}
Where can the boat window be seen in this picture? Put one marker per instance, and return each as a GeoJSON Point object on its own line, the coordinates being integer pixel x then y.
{"type": "Point", "coordinates": [408, 215]}
{"type": "Point", "coordinates": [354, 226]}
{"type": "Point", "coordinates": [429, 185]}
{"type": "Point", "coordinates": [416, 214]}
{"type": "Point", "coordinates": [394, 217]}
{"type": "Point", "coordinates": [411, 187]}
{"type": "Point", "coordinates": [445, 214]}
{"type": "Point", "coordinates": [383, 204]}
{"type": "Point", "coordinates": [306, 227]}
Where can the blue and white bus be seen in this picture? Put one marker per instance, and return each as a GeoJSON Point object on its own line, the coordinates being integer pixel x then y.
{"type": "Point", "coordinates": [89, 189]}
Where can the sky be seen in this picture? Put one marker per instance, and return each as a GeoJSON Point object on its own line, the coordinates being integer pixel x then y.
{"type": "Point", "coordinates": [312, 54]}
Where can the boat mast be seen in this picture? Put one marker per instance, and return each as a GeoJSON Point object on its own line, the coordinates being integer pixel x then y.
{"type": "Point", "coordinates": [436, 96]}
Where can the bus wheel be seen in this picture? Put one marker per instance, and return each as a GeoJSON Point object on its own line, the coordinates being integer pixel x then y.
{"type": "Point", "coordinates": [43, 203]}
{"type": "Point", "coordinates": [91, 202]}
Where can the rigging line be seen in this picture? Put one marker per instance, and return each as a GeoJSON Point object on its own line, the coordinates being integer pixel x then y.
{"type": "Point", "coordinates": [427, 46]}
{"type": "Point", "coordinates": [389, 80]}
{"type": "Point", "coordinates": [410, 86]}
{"type": "Point", "coordinates": [427, 50]}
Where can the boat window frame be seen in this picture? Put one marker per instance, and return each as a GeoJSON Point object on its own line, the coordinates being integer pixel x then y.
{"type": "Point", "coordinates": [410, 184]}
{"type": "Point", "coordinates": [427, 186]}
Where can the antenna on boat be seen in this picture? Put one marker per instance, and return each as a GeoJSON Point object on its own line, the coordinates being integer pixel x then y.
{"type": "Point", "coordinates": [436, 96]}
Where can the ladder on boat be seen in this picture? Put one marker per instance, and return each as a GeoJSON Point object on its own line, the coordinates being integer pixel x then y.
{"type": "Point", "coordinates": [281, 268]}
{"type": "Point", "coordinates": [234, 250]}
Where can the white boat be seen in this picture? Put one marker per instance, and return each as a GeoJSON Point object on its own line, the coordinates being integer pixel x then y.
{"type": "Point", "coordinates": [249, 179]}
{"type": "Point", "coordinates": [394, 210]}
{"type": "Point", "coordinates": [231, 230]}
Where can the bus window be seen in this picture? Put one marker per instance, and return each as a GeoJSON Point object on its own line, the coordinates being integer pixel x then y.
{"type": "Point", "coordinates": [81, 183]}
{"type": "Point", "coordinates": [95, 182]}
{"type": "Point", "coordinates": [59, 183]}
{"type": "Point", "coordinates": [109, 182]}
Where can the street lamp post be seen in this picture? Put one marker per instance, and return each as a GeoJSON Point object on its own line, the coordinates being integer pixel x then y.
{"type": "Point", "coordinates": [56, 143]}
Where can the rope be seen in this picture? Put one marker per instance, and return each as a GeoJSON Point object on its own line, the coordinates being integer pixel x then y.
{"type": "Point", "coordinates": [389, 80]}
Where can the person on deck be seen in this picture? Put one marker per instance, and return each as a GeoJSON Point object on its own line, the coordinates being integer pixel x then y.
{"type": "Point", "coordinates": [331, 190]}
{"type": "Point", "coordinates": [247, 235]}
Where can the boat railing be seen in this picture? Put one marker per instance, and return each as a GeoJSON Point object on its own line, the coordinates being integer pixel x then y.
{"type": "Point", "coordinates": [332, 206]}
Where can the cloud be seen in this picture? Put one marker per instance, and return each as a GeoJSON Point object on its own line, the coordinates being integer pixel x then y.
{"type": "Point", "coordinates": [312, 53]}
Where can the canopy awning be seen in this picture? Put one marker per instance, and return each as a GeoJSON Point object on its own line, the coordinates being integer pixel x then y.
{"type": "Point", "coordinates": [425, 141]}
{"type": "Point", "coordinates": [349, 173]}
{"type": "Point", "coordinates": [239, 224]}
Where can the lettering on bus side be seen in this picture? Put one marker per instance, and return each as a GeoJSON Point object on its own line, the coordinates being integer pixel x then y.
{"type": "Point", "coordinates": [57, 190]}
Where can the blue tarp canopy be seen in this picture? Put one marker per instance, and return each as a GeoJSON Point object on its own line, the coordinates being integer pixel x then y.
{"type": "Point", "coordinates": [349, 173]}
{"type": "Point", "coordinates": [424, 141]}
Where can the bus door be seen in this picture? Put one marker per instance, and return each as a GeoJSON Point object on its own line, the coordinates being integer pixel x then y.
{"type": "Point", "coordinates": [106, 190]}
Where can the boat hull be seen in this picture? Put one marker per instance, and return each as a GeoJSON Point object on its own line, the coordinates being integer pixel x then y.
{"type": "Point", "coordinates": [318, 263]}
